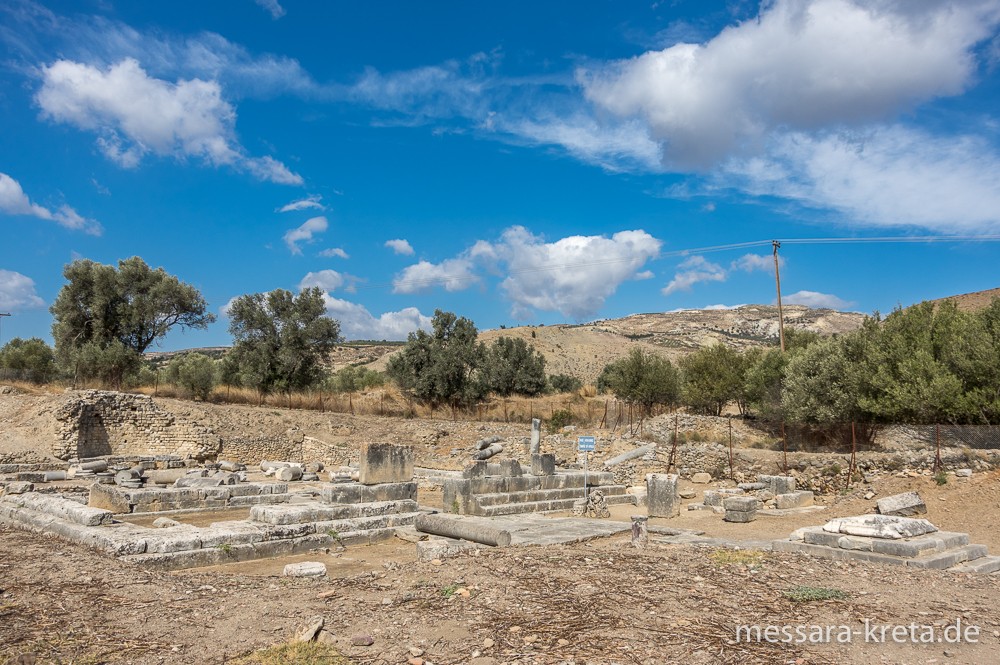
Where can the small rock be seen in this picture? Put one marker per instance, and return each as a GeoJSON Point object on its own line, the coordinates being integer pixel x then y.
{"type": "Point", "coordinates": [305, 569]}
{"type": "Point", "coordinates": [687, 493]}
{"type": "Point", "coordinates": [436, 562]}
{"type": "Point", "coordinates": [415, 661]}
{"type": "Point", "coordinates": [563, 642]}
{"type": "Point", "coordinates": [964, 473]}
{"type": "Point", "coordinates": [308, 632]}
{"type": "Point", "coordinates": [869, 496]}
{"type": "Point", "coordinates": [416, 652]}
{"type": "Point", "coordinates": [361, 640]}
{"type": "Point", "coordinates": [701, 478]}
{"type": "Point", "coordinates": [325, 637]}
{"type": "Point", "coordinates": [488, 643]}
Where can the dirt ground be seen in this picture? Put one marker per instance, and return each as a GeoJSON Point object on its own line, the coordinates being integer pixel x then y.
{"type": "Point", "coordinates": [598, 602]}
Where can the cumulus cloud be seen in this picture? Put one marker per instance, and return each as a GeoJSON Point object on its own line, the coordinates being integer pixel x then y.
{"type": "Point", "coordinates": [305, 233]}
{"type": "Point", "coordinates": [272, 7]}
{"type": "Point", "coordinates": [693, 270]}
{"type": "Point", "coordinates": [334, 252]}
{"type": "Point", "coordinates": [308, 202]}
{"type": "Point", "coordinates": [13, 201]}
{"type": "Point", "coordinates": [799, 65]}
{"type": "Point", "coordinates": [328, 280]}
{"type": "Point", "coordinates": [884, 177]}
{"type": "Point", "coordinates": [134, 114]}
{"type": "Point", "coordinates": [400, 246]}
{"type": "Point", "coordinates": [356, 322]}
{"type": "Point", "coordinates": [816, 299]}
{"type": "Point", "coordinates": [573, 275]}
{"type": "Point", "coordinates": [451, 274]}
{"type": "Point", "coordinates": [752, 262]}
{"type": "Point", "coordinates": [17, 292]}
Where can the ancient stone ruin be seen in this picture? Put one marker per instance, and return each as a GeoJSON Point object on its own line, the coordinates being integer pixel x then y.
{"type": "Point", "coordinates": [95, 423]}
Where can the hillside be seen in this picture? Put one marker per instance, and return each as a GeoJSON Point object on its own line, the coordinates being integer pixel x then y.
{"type": "Point", "coordinates": [973, 302]}
{"type": "Point", "coordinates": [584, 349]}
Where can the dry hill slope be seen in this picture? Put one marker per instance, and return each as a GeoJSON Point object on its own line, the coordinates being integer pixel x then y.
{"type": "Point", "coordinates": [583, 350]}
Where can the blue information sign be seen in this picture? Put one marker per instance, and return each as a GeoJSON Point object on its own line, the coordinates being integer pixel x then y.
{"type": "Point", "coordinates": [586, 443]}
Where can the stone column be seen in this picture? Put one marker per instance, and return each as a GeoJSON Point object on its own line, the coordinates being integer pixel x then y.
{"type": "Point", "coordinates": [536, 436]}
{"type": "Point", "coordinates": [640, 531]}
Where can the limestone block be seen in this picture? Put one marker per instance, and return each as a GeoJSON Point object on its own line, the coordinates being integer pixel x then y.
{"type": "Point", "coordinates": [477, 469]}
{"type": "Point", "coordinates": [661, 495]}
{"type": "Point", "coordinates": [778, 484]}
{"type": "Point", "coordinates": [880, 526]}
{"type": "Point", "coordinates": [543, 465]}
{"type": "Point", "coordinates": [716, 497]}
{"type": "Point", "coordinates": [743, 504]}
{"type": "Point", "coordinates": [17, 487]}
{"type": "Point", "coordinates": [385, 463]}
{"type": "Point", "coordinates": [739, 516]}
{"type": "Point", "coordinates": [701, 478]}
{"type": "Point", "coordinates": [902, 505]}
{"type": "Point", "coordinates": [536, 437]}
{"type": "Point", "coordinates": [108, 497]}
{"type": "Point", "coordinates": [511, 468]}
{"type": "Point", "coordinates": [305, 569]}
{"type": "Point", "coordinates": [798, 499]}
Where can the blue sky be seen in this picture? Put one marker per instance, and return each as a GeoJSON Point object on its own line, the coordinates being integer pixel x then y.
{"type": "Point", "coordinates": [514, 163]}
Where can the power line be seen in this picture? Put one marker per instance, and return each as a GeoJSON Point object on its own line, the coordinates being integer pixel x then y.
{"type": "Point", "coordinates": [432, 281]}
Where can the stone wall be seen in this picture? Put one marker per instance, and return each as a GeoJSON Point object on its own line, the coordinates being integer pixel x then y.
{"type": "Point", "coordinates": [95, 423]}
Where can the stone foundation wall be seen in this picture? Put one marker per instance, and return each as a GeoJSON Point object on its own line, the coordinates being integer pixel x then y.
{"type": "Point", "coordinates": [94, 423]}
{"type": "Point", "coordinates": [251, 450]}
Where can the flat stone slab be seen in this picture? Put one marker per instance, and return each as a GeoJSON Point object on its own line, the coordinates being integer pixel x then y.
{"type": "Point", "coordinates": [902, 505]}
{"type": "Point", "coordinates": [785, 512]}
{"type": "Point", "coordinates": [880, 526]}
{"type": "Point", "coordinates": [305, 569]}
{"type": "Point", "coordinates": [528, 529]}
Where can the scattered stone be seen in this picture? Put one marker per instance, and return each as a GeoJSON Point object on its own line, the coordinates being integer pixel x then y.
{"type": "Point", "coordinates": [687, 493]}
{"type": "Point", "coordinates": [880, 526]}
{"type": "Point", "coordinates": [309, 631]}
{"type": "Point", "coordinates": [902, 505]}
{"type": "Point", "coordinates": [701, 478]}
{"type": "Point", "coordinates": [362, 640]}
{"type": "Point", "coordinates": [305, 569]}
{"type": "Point", "coordinates": [164, 523]}
{"type": "Point", "coordinates": [964, 473]}
{"type": "Point", "coordinates": [488, 643]}
{"type": "Point", "coordinates": [416, 652]}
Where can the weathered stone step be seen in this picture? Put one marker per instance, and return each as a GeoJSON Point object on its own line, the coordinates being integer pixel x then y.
{"type": "Point", "coordinates": [543, 495]}
{"type": "Point", "coordinates": [542, 506]}
{"type": "Point", "coordinates": [986, 564]}
{"type": "Point", "coordinates": [949, 558]}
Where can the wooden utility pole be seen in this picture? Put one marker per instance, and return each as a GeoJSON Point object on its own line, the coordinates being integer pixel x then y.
{"type": "Point", "coordinates": [777, 282]}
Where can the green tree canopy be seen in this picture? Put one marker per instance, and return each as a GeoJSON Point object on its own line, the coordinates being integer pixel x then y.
{"type": "Point", "coordinates": [441, 367]}
{"type": "Point", "coordinates": [642, 378]}
{"type": "Point", "coordinates": [712, 377]}
{"type": "Point", "coordinates": [32, 359]}
{"type": "Point", "coordinates": [195, 372]}
{"type": "Point", "coordinates": [279, 339]}
{"type": "Point", "coordinates": [512, 367]}
{"type": "Point", "coordinates": [130, 307]}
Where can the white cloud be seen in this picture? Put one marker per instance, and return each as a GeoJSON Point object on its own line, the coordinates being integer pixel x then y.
{"type": "Point", "coordinates": [752, 262]}
{"type": "Point", "coordinates": [722, 307]}
{"type": "Point", "coordinates": [573, 275]}
{"type": "Point", "coordinates": [13, 201]}
{"type": "Point", "coordinates": [17, 292]}
{"type": "Point", "coordinates": [135, 114]}
{"type": "Point", "coordinates": [356, 322]}
{"type": "Point", "coordinates": [400, 246]}
{"type": "Point", "coordinates": [303, 204]}
{"type": "Point", "coordinates": [800, 65]}
{"type": "Point", "coordinates": [304, 233]}
{"type": "Point", "coordinates": [692, 271]}
{"type": "Point", "coordinates": [885, 177]}
{"type": "Point", "coordinates": [334, 252]}
{"type": "Point", "coordinates": [452, 274]}
{"type": "Point", "coordinates": [328, 280]}
{"type": "Point", "coordinates": [816, 299]}
{"type": "Point", "coordinates": [272, 6]}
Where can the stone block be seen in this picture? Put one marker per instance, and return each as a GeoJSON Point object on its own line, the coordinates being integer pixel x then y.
{"type": "Point", "coordinates": [108, 497]}
{"type": "Point", "coordinates": [511, 468]}
{"type": "Point", "coordinates": [902, 505]}
{"type": "Point", "coordinates": [661, 495]}
{"type": "Point", "coordinates": [534, 445]}
{"type": "Point", "coordinates": [963, 473]}
{"type": "Point", "coordinates": [716, 497]}
{"type": "Point", "coordinates": [855, 543]}
{"type": "Point", "coordinates": [17, 487]}
{"type": "Point", "coordinates": [880, 526]}
{"type": "Point", "coordinates": [701, 478]}
{"type": "Point", "coordinates": [385, 463]}
{"type": "Point", "coordinates": [305, 569]}
{"type": "Point", "coordinates": [477, 469]}
{"type": "Point", "coordinates": [31, 477]}
{"type": "Point", "coordinates": [739, 516]}
{"type": "Point", "coordinates": [543, 465]}
{"type": "Point", "coordinates": [778, 484]}
{"type": "Point", "coordinates": [798, 499]}
{"type": "Point", "coordinates": [742, 504]}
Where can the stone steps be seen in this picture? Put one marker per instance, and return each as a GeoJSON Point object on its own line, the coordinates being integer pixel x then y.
{"type": "Point", "coordinates": [953, 553]}
{"type": "Point", "coordinates": [986, 564]}
{"type": "Point", "coordinates": [543, 506]}
{"type": "Point", "coordinates": [532, 496]}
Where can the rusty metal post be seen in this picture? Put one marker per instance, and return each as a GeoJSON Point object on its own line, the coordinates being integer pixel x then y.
{"type": "Point", "coordinates": [673, 448]}
{"type": "Point", "coordinates": [854, 456]}
{"type": "Point", "coordinates": [784, 448]}
{"type": "Point", "coordinates": [732, 475]}
{"type": "Point", "coordinates": [937, 446]}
